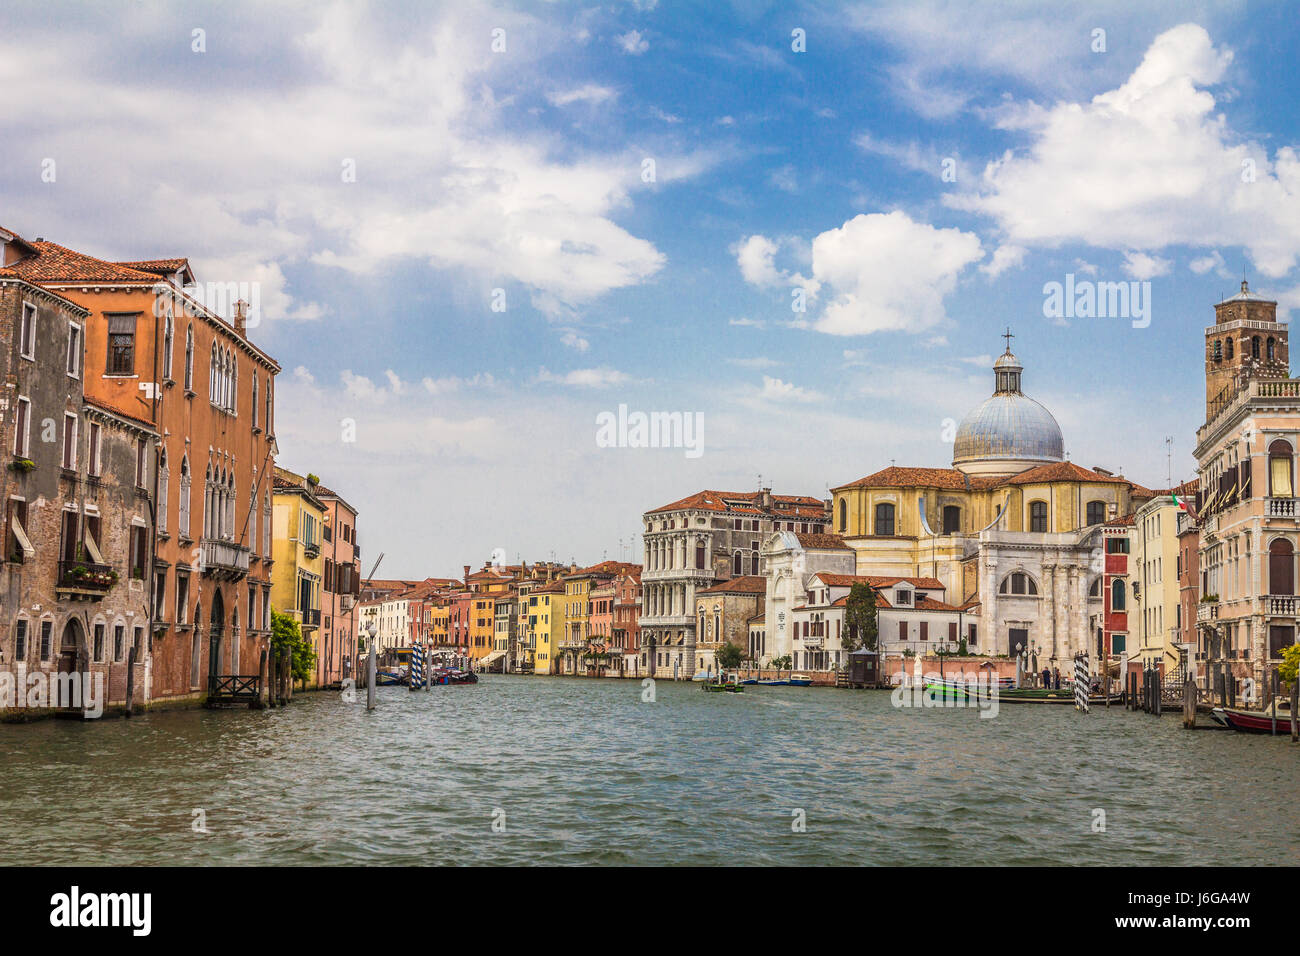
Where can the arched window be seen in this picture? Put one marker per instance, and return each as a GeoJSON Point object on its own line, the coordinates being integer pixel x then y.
{"type": "Point", "coordinates": [1271, 348]}
{"type": "Point", "coordinates": [884, 519]}
{"type": "Point", "coordinates": [1227, 350]}
{"type": "Point", "coordinates": [1279, 470]}
{"type": "Point", "coordinates": [1038, 517]}
{"type": "Point", "coordinates": [213, 371]}
{"type": "Point", "coordinates": [189, 358]}
{"type": "Point", "coordinates": [1096, 512]}
{"type": "Point", "coordinates": [1118, 597]}
{"type": "Point", "coordinates": [1218, 350]}
{"type": "Point", "coordinates": [1018, 582]}
{"type": "Point", "coordinates": [844, 515]}
{"type": "Point", "coordinates": [1254, 346]}
{"type": "Point", "coordinates": [753, 562]}
{"type": "Point", "coordinates": [1095, 590]}
{"type": "Point", "coordinates": [738, 563]}
{"type": "Point", "coordinates": [168, 337]}
{"type": "Point", "coordinates": [1281, 567]}
{"type": "Point", "coordinates": [183, 506]}
{"type": "Point", "coordinates": [951, 519]}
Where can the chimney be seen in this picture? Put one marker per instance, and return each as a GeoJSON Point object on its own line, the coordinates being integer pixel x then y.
{"type": "Point", "coordinates": [467, 575]}
{"type": "Point", "coordinates": [765, 499]}
{"type": "Point", "coordinates": [241, 317]}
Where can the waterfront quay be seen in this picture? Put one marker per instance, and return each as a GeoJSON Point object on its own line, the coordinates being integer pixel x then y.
{"type": "Point", "coordinates": [578, 772]}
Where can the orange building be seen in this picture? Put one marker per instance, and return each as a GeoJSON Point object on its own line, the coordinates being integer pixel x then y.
{"type": "Point", "coordinates": [151, 348]}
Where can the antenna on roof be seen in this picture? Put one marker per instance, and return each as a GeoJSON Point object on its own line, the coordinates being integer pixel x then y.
{"type": "Point", "coordinates": [1169, 461]}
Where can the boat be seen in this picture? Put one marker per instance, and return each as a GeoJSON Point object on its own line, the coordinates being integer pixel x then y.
{"type": "Point", "coordinates": [800, 680]}
{"type": "Point", "coordinates": [775, 683]}
{"type": "Point", "coordinates": [1278, 717]}
{"type": "Point", "coordinates": [390, 679]}
{"type": "Point", "coordinates": [749, 680]}
{"type": "Point", "coordinates": [701, 676]}
{"type": "Point", "coordinates": [958, 690]}
{"type": "Point", "coordinates": [453, 675]}
{"type": "Point", "coordinates": [727, 688]}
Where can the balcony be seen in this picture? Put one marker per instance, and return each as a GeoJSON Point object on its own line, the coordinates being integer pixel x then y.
{"type": "Point", "coordinates": [311, 549]}
{"type": "Point", "coordinates": [1282, 605]}
{"type": "Point", "coordinates": [1281, 508]}
{"type": "Point", "coordinates": [309, 617]}
{"type": "Point", "coordinates": [223, 560]}
{"type": "Point", "coordinates": [1207, 611]}
{"type": "Point", "coordinates": [85, 580]}
{"type": "Point", "coordinates": [347, 602]}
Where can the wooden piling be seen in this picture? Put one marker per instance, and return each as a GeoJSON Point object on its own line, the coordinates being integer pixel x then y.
{"type": "Point", "coordinates": [288, 674]}
{"type": "Point", "coordinates": [1295, 706]}
{"type": "Point", "coordinates": [370, 677]}
{"type": "Point", "coordinates": [130, 681]}
{"type": "Point", "coordinates": [1189, 703]}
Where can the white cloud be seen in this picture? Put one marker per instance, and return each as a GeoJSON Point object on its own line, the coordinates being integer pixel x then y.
{"type": "Point", "coordinates": [584, 377]}
{"type": "Point", "coordinates": [776, 390]}
{"type": "Point", "coordinates": [1213, 262]}
{"type": "Point", "coordinates": [453, 383]}
{"type": "Point", "coordinates": [1145, 166]}
{"type": "Point", "coordinates": [1139, 265]}
{"type": "Point", "coordinates": [883, 271]}
{"type": "Point", "coordinates": [756, 256]}
{"type": "Point", "coordinates": [756, 362]}
{"type": "Point", "coordinates": [1004, 258]}
{"type": "Point", "coordinates": [632, 42]}
{"type": "Point", "coordinates": [573, 340]}
{"type": "Point", "coordinates": [784, 179]}
{"type": "Point", "coordinates": [590, 93]}
{"type": "Point", "coordinates": [748, 323]}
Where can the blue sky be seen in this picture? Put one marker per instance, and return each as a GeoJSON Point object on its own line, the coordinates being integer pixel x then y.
{"type": "Point", "coordinates": [523, 170]}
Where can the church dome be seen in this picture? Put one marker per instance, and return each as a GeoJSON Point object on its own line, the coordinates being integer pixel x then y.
{"type": "Point", "coordinates": [1009, 432]}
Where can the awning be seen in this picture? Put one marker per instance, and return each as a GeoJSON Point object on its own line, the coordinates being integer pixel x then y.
{"type": "Point", "coordinates": [494, 656]}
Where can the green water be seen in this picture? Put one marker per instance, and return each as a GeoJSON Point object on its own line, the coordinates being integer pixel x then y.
{"type": "Point", "coordinates": [519, 770]}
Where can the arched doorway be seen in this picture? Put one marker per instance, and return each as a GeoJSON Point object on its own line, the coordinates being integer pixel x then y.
{"type": "Point", "coordinates": [70, 647]}
{"type": "Point", "coordinates": [216, 630]}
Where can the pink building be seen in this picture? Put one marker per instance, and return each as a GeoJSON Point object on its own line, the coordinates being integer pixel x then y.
{"type": "Point", "coordinates": [340, 589]}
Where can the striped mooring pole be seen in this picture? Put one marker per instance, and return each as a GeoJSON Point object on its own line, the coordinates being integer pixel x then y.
{"type": "Point", "coordinates": [1081, 682]}
{"type": "Point", "coordinates": [417, 667]}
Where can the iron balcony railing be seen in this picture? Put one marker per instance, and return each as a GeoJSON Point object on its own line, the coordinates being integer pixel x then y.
{"type": "Point", "coordinates": [310, 616]}
{"type": "Point", "coordinates": [86, 576]}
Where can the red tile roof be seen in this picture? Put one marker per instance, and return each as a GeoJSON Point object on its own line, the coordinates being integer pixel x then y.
{"type": "Point", "coordinates": [745, 584]}
{"type": "Point", "coordinates": [110, 407]}
{"type": "Point", "coordinates": [55, 263]}
{"type": "Point", "coordinates": [822, 541]}
{"type": "Point", "coordinates": [747, 502]}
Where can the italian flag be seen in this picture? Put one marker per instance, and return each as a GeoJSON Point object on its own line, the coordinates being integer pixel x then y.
{"type": "Point", "coordinates": [1183, 504]}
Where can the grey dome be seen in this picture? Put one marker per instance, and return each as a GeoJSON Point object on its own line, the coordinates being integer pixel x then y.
{"type": "Point", "coordinates": [1008, 426]}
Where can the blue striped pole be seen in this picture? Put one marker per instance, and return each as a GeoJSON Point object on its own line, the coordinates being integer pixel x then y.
{"type": "Point", "coordinates": [417, 666]}
{"type": "Point", "coordinates": [1081, 682]}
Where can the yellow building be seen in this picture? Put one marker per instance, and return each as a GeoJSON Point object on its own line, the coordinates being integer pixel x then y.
{"type": "Point", "coordinates": [1011, 530]}
{"type": "Point", "coordinates": [1155, 571]}
{"type": "Point", "coordinates": [297, 523]}
{"type": "Point", "coordinates": [577, 607]}
{"type": "Point", "coordinates": [545, 623]}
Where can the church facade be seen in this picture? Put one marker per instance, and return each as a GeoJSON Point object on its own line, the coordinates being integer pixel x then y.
{"type": "Point", "coordinates": [1012, 530]}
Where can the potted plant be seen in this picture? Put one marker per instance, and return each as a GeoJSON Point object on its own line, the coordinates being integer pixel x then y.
{"type": "Point", "coordinates": [23, 465]}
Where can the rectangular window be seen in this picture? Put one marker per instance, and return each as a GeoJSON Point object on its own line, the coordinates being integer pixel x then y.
{"type": "Point", "coordinates": [902, 630]}
{"type": "Point", "coordinates": [137, 643]}
{"type": "Point", "coordinates": [98, 648]}
{"type": "Point", "coordinates": [952, 631]}
{"type": "Point", "coordinates": [182, 597]}
{"type": "Point", "coordinates": [20, 641]}
{"type": "Point", "coordinates": [121, 345]}
{"type": "Point", "coordinates": [925, 630]}
{"type": "Point", "coordinates": [160, 596]}
{"type": "Point", "coordinates": [1117, 545]}
{"type": "Point", "coordinates": [22, 423]}
{"type": "Point", "coordinates": [47, 628]}
{"type": "Point", "coordinates": [69, 440]}
{"type": "Point", "coordinates": [27, 338]}
{"type": "Point", "coordinates": [119, 640]}
{"type": "Point", "coordinates": [139, 548]}
{"type": "Point", "coordinates": [17, 546]}
{"type": "Point", "coordinates": [74, 350]}
{"type": "Point", "coordinates": [141, 458]}
{"type": "Point", "coordinates": [92, 466]}
{"type": "Point", "coordinates": [252, 605]}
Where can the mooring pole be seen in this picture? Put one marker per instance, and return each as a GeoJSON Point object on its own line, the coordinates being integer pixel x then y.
{"type": "Point", "coordinates": [370, 677]}
{"type": "Point", "coordinates": [130, 681]}
{"type": "Point", "coordinates": [1189, 703]}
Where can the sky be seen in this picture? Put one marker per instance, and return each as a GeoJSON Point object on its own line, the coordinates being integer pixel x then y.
{"type": "Point", "coordinates": [475, 230]}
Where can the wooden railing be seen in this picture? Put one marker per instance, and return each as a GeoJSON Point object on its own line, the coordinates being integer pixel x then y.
{"type": "Point", "coordinates": [235, 686]}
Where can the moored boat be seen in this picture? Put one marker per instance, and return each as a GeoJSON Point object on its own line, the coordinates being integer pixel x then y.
{"type": "Point", "coordinates": [800, 680]}
{"type": "Point", "coordinates": [1275, 718]}
{"type": "Point", "coordinates": [774, 683]}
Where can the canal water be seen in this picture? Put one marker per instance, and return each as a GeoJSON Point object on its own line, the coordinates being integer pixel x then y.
{"type": "Point", "coordinates": [519, 770]}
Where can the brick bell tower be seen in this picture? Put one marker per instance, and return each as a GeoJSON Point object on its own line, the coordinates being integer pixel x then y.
{"type": "Point", "coordinates": [1246, 341]}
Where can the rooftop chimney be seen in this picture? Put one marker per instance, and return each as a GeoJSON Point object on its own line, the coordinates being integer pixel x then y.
{"type": "Point", "coordinates": [467, 575]}
{"type": "Point", "coordinates": [241, 317]}
{"type": "Point", "coordinates": [765, 499]}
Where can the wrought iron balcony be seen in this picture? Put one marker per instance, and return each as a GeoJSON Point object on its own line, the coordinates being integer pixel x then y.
{"type": "Point", "coordinates": [309, 616]}
{"type": "Point", "coordinates": [86, 578]}
{"type": "Point", "coordinates": [224, 559]}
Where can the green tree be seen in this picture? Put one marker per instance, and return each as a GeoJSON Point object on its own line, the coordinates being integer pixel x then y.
{"type": "Point", "coordinates": [285, 633]}
{"type": "Point", "coordinates": [860, 618]}
{"type": "Point", "coordinates": [729, 656]}
{"type": "Point", "coordinates": [1290, 663]}
{"type": "Point", "coordinates": [783, 663]}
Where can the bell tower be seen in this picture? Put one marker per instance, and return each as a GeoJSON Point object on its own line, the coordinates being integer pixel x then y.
{"type": "Point", "coordinates": [1246, 341]}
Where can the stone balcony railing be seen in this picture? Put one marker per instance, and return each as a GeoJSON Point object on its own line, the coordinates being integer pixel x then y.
{"type": "Point", "coordinates": [676, 574]}
{"type": "Point", "coordinates": [1270, 389]}
{"type": "Point", "coordinates": [1281, 507]}
{"type": "Point", "coordinates": [224, 559]}
{"type": "Point", "coordinates": [1207, 611]}
{"type": "Point", "coordinates": [1281, 604]}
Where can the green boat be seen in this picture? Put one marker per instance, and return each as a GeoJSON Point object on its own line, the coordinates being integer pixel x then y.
{"type": "Point", "coordinates": [951, 690]}
{"type": "Point", "coordinates": [728, 688]}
